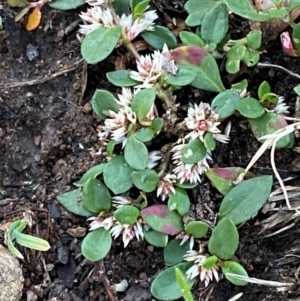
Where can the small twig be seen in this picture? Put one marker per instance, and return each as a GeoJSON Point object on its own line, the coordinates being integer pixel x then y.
{"type": "Point", "coordinates": [37, 81]}
{"type": "Point", "coordinates": [279, 67]}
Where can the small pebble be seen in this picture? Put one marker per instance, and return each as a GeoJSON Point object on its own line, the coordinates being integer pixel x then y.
{"type": "Point", "coordinates": [31, 52]}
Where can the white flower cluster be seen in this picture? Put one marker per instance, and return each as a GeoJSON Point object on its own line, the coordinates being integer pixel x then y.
{"type": "Point", "coordinates": [101, 15]}
{"type": "Point", "coordinates": [152, 67]}
{"type": "Point", "coordinates": [116, 126]}
{"type": "Point", "coordinates": [197, 269]}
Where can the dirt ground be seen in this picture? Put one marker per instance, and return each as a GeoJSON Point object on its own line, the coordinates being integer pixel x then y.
{"type": "Point", "coordinates": [48, 140]}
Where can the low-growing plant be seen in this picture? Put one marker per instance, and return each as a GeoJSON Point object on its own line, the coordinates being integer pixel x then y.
{"type": "Point", "coordinates": [14, 234]}
{"type": "Point", "coordinates": [152, 155]}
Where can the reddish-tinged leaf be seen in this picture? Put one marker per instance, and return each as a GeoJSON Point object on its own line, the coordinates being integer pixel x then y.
{"type": "Point", "coordinates": [223, 178]}
{"type": "Point", "coordinates": [191, 54]}
{"type": "Point", "coordinates": [34, 19]}
{"type": "Point", "coordinates": [161, 219]}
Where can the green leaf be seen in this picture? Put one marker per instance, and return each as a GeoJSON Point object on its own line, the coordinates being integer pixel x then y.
{"type": "Point", "coordinates": [297, 90]}
{"type": "Point", "coordinates": [186, 185]}
{"type": "Point", "coordinates": [250, 107]}
{"type": "Point", "coordinates": [232, 66]}
{"type": "Point", "coordinates": [210, 262]}
{"type": "Point", "coordinates": [145, 134]}
{"type": "Point", "coordinates": [127, 214]}
{"type": "Point", "coordinates": [251, 57]}
{"type": "Point", "coordinates": [215, 24]}
{"type": "Point", "coordinates": [197, 229]}
{"type": "Point", "coordinates": [136, 153]}
{"type": "Point", "coordinates": [156, 238]}
{"type": "Point", "coordinates": [246, 10]}
{"type": "Point", "coordinates": [241, 86]}
{"type": "Point", "coordinates": [254, 39]}
{"type": "Point", "coordinates": [142, 102]}
{"type": "Point", "coordinates": [160, 36]}
{"type": "Point", "coordinates": [121, 6]}
{"type": "Point", "coordinates": [145, 180]}
{"type": "Point", "coordinates": [223, 178]}
{"type": "Point", "coordinates": [244, 200]}
{"type": "Point", "coordinates": [32, 242]}
{"type": "Point", "coordinates": [96, 244]}
{"type": "Point", "coordinates": [236, 52]}
{"type": "Point", "coordinates": [157, 124]}
{"type": "Point", "coordinates": [179, 201]}
{"type": "Point", "coordinates": [95, 196]}
{"type": "Point", "coordinates": [165, 287]}
{"type": "Point", "coordinates": [294, 4]}
{"type": "Point", "coordinates": [296, 36]}
{"type": "Point", "coordinates": [225, 103]}
{"type": "Point", "coordinates": [161, 219]}
{"type": "Point", "coordinates": [185, 75]}
{"type": "Point", "coordinates": [140, 8]}
{"type": "Point", "coordinates": [121, 78]}
{"type": "Point", "coordinates": [17, 3]}
{"type": "Point", "coordinates": [209, 141]}
{"type": "Point", "coordinates": [208, 77]}
{"type": "Point", "coordinates": [71, 200]}
{"type": "Point", "coordinates": [232, 267]}
{"type": "Point", "coordinates": [269, 123]}
{"type": "Point", "coordinates": [12, 248]}
{"type": "Point", "coordinates": [264, 88]}
{"type": "Point", "coordinates": [224, 239]}
{"type": "Point", "coordinates": [193, 152]}
{"type": "Point", "coordinates": [66, 4]}
{"type": "Point", "coordinates": [184, 285]}
{"type": "Point", "coordinates": [100, 43]}
{"type": "Point", "coordinates": [197, 10]}
{"type": "Point", "coordinates": [110, 148]}
{"type": "Point", "coordinates": [102, 102]}
{"type": "Point", "coordinates": [174, 251]}
{"type": "Point", "coordinates": [117, 175]}
{"type": "Point", "coordinates": [93, 172]}
{"type": "Point", "coordinates": [190, 38]}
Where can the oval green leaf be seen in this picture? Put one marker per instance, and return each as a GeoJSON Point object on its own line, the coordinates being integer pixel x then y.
{"type": "Point", "coordinates": [179, 201]}
{"type": "Point", "coordinates": [96, 244]}
{"type": "Point", "coordinates": [232, 267]}
{"type": "Point", "coordinates": [142, 102]}
{"type": "Point", "coordinates": [165, 287]}
{"type": "Point", "coordinates": [99, 44]}
{"type": "Point", "coordinates": [103, 101]}
{"type": "Point", "coordinates": [244, 200]}
{"type": "Point", "coordinates": [197, 229]}
{"type": "Point", "coordinates": [121, 78]}
{"type": "Point", "coordinates": [160, 36]}
{"type": "Point", "coordinates": [145, 180]}
{"type": "Point", "coordinates": [159, 218]}
{"type": "Point", "coordinates": [136, 153]}
{"type": "Point", "coordinates": [93, 172]}
{"type": "Point", "coordinates": [250, 107]}
{"type": "Point", "coordinates": [226, 102]}
{"type": "Point", "coordinates": [193, 152]}
{"type": "Point", "coordinates": [224, 239]}
{"type": "Point", "coordinates": [156, 238]}
{"type": "Point", "coordinates": [95, 196]}
{"type": "Point", "coordinates": [174, 251]}
{"type": "Point", "coordinates": [66, 5]}
{"type": "Point", "coordinates": [117, 175]}
{"type": "Point", "coordinates": [71, 200]}
{"type": "Point", "coordinates": [127, 214]}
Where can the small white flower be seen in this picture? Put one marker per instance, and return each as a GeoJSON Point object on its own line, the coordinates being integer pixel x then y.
{"type": "Point", "coordinates": [206, 276]}
{"type": "Point", "coordinates": [151, 67]}
{"type": "Point", "coordinates": [188, 172]}
{"type": "Point", "coordinates": [119, 201]}
{"type": "Point", "coordinates": [280, 107]}
{"type": "Point", "coordinates": [202, 119]}
{"type": "Point", "coordinates": [154, 158]}
{"type": "Point", "coordinates": [99, 222]}
{"type": "Point", "coordinates": [184, 238]}
{"type": "Point", "coordinates": [165, 186]}
{"type": "Point", "coordinates": [96, 17]}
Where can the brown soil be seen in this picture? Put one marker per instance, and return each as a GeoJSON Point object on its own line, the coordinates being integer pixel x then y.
{"type": "Point", "coordinates": [48, 139]}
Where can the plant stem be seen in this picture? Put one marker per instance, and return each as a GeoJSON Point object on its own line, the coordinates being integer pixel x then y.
{"type": "Point", "coordinates": [165, 164]}
{"type": "Point", "coordinates": [132, 49]}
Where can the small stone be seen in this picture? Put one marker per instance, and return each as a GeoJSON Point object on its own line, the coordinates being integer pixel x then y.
{"type": "Point", "coordinates": [87, 108]}
{"type": "Point", "coordinates": [31, 52]}
{"type": "Point", "coordinates": [1, 133]}
{"type": "Point", "coordinates": [77, 232]}
{"type": "Point", "coordinates": [76, 86]}
{"type": "Point", "coordinates": [37, 140]}
{"type": "Point", "coordinates": [11, 277]}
